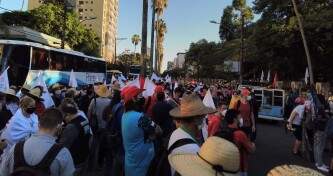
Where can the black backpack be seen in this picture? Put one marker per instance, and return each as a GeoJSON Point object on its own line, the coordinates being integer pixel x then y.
{"type": "Point", "coordinates": [41, 169]}
{"type": "Point", "coordinates": [160, 166]}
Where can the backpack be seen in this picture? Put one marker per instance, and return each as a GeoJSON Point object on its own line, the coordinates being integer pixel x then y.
{"type": "Point", "coordinates": [160, 166]}
{"type": "Point", "coordinates": [41, 169]}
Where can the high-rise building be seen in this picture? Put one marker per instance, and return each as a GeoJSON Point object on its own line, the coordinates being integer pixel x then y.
{"type": "Point", "coordinates": [98, 15]}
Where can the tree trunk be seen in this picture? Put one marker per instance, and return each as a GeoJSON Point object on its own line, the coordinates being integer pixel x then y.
{"type": "Point", "coordinates": [156, 47]}
{"type": "Point", "coordinates": [308, 57]}
{"type": "Point", "coordinates": [144, 37]}
{"type": "Point", "coordinates": [152, 40]}
{"type": "Point", "coordinates": [241, 50]}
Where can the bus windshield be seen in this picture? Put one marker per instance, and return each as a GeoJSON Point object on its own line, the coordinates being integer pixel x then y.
{"type": "Point", "coordinates": [17, 57]}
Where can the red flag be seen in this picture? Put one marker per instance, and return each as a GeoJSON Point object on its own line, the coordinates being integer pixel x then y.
{"type": "Point", "coordinates": [275, 81]}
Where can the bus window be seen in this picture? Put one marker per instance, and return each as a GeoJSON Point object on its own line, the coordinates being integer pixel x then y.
{"type": "Point", "coordinates": [18, 59]}
{"type": "Point", "coordinates": [39, 59]}
{"type": "Point", "coordinates": [57, 61]}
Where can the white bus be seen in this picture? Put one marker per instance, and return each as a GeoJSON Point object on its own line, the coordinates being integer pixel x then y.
{"type": "Point", "coordinates": [27, 59]}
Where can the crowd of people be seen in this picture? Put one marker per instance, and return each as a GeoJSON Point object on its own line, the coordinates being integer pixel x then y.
{"type": "Point", "coordinates": [117, 131]}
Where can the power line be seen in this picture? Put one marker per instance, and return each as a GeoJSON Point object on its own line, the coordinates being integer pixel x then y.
{"type": "Point", "coordinates": [6, 9]}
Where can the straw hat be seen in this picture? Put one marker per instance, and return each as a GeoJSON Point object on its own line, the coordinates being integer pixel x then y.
{"type": "Point", "coordinates": [11, 92]}
{"type": "Point", "coordinates": [217, 156]}
{"type": "Point", "coordinates": [191, 105]}
{"type": "Point", "coordinates": [102, 91]}
{"type": "Point", "coordinates": [293, 170]}
{"type": "Point", "coordinates": [35, 93]}
{"type": "Point", "coordinates": [56, 86]}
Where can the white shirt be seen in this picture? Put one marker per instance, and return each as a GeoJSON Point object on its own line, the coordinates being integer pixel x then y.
{"type": "Point", "coordinates": [185, 149]}
{"type": "Point", "coordinates": [299, 110]}
{"type": "Point", "coordinates": [19, 128]}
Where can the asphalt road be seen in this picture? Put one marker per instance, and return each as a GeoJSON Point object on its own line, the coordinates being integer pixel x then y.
{"type": "Point", "coordinates": [273, 149]}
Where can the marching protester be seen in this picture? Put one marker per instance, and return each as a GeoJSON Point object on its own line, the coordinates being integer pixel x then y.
{"type": "Point", "coordinates": [295, 124]}
{"type": "Point", "coordinates": [40, 154]}
{"type": "Point", "coordinates": [76, 132]}
{"type": "Point", "coordinates": [36, 94]}
{"type": "Point", "coordinates": [113, 113]}
{"type": "Point", "coordinates": [189, 116]}
{"type": "Point", "coordinates": [217, 156]}
{"type": "Point", "coordinates": [138, 141]}
{"type": "Point", "coordinates": [230, 130]}
{"type": "Point", "coordinates": [22, 125]}
{"type": "Point", "coordinates": [246, 112]}
{"type": "Point", "coordinates": [97, 106]}
{"type": "Point", "coordinates": [56, 94]}
{"type": "Point", "coordinates": [9, 104]}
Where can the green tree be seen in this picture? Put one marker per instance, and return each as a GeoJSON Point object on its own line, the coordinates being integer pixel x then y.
{"type": "Point", "coordinates": [135, 41]}
{"type": "Point", "coordinates": [48, 19]}
{"type": "Point", "coordinates": [227, 24]}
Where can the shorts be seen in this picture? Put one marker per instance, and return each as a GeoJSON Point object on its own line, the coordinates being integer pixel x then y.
{"type": "Point", "coordinates": [298, 132]}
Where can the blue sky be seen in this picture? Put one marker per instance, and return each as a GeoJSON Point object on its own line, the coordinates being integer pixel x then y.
{"type": "Point", "coordinates": [187, 21]}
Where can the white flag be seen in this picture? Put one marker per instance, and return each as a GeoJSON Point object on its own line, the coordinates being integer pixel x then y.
{"type": "Point", "coordinates": [113, 79]}
{"type": "Point", "coordinates": [269, 76]}
{"type": "Point", "coordinates": [262, 76]}
{"type": "Point", "coordinates": [4, 82]}
{"type": "Point", "coordinates": [48, 101]}
{"type": "Point", "coordinates": [155, 77]}
{"type": "Point", "coordinates": [72, 80]}
{"type": "Point", "coordinates": [168, 79]}
{"type": "Point", "coordinates": [208, 100]}
{"type": "Point", "coordinates": [150, 88]}
{"type": "Point", "coordinates": [306, 79]}
{"type": "Point", "coordinates": [122, 77]}
{"type": "Point", "coordinates": [176, 85]}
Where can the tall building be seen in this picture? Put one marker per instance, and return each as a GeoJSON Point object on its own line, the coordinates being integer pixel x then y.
{"type": "Point", "coordinates": [179, 60]}
{"type": "Point", "coordinates": [98, 15]}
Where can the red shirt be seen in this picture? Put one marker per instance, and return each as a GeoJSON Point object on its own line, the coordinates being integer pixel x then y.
{"type": "Point", "coordinates": [245, 111]}
{"type": "Point", "coordinates": [244, 145]}
{"type": "Point", "coordinates": [213, 124]}
{"type": "Point", "coordinates": [40, 108]}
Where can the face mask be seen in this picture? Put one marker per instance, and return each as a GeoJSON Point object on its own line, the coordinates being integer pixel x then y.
{"type": "Point", "coordinates": [58, 92]}
{"type": "Point", "coordinates": [30, 110]}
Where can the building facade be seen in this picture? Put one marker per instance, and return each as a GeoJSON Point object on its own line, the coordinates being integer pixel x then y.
{"type": "Point", "coordinates": [100, 16]}
{"type": "Point", "coordinates": [179, 60]}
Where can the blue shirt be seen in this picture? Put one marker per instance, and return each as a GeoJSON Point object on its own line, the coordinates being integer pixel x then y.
{"type": "Point", "coordinates": [138, 152]}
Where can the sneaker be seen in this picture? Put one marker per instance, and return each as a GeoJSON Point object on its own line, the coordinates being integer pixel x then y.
{"type": "Point", "coordinates": [322, 168]}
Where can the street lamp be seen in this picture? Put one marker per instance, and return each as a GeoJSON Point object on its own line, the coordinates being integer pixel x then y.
{"type": "Point", "coordinates": [115, 47]}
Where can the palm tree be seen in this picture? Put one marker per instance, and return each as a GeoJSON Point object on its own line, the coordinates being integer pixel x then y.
{"type": "Point", "coordinates": [159, 44]}
{"type": "Point", "coordinates": [144, 37]}
{"type": "Point", "coordinates": [160, 6]}
{"type": "Point", "coordinates": [152, 36]}
{"type": "Point", "coordinates": [135, 41]}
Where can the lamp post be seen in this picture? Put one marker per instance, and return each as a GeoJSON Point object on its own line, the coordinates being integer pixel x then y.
{"type": "Point", "coordinates": [241, 47]}
{"type": "Point", "coordinates": [115, 47]}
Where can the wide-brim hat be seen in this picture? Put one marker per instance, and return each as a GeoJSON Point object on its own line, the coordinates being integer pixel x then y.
{"type": "Point", "coordinates": [56, 86]}
{"type": "Point", "coordinates": [35, 93]}
{"type": "Point", "coordinates": [102, 91]}
{"type": "Point", "coordinates": [293, 170]}
{"type": "Point", "coordinates": [191, 106]}
{"type": "Point", "coordinates": [217, 156]}
{"type": "Point", "coordinates": [10, 92]}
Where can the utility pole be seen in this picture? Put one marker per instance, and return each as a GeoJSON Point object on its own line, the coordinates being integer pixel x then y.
{"type": "Point", "coordinates": [152, 39]}
{"type": "Point", "coordinates": [308, 57]}
{"type": "Point", "coordinates": [241, 50]}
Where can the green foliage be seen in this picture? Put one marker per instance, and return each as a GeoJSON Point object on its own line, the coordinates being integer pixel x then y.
{"type": "Point", "coordinates": [49, 18]}
{"type": "Point", "coordinates": [227, 26]}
